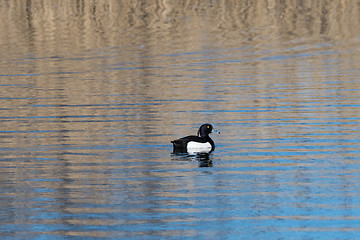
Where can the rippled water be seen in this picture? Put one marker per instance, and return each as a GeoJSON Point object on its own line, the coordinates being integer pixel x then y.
{"type": "Point", "coordinates": [91, 96]}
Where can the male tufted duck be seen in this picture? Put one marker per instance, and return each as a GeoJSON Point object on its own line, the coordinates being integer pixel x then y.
{"type": "Point", "coordinates": [201, 143]}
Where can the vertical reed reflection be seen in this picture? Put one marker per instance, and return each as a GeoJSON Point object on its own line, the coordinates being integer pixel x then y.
{"type": "Point", "coordinates": [46, 27]}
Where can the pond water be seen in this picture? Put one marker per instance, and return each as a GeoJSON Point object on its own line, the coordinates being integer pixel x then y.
{"type": "Point", "coordinates": [92, 93]}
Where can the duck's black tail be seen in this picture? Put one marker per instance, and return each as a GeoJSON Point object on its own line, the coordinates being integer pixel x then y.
{"type": "Point", "coordinates": [179, 146]}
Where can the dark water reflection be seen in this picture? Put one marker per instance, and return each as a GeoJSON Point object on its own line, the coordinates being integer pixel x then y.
{"type": "Point", "coordinates": [204, 159]}
{"type": "Point", "coordinates": [92, 93]}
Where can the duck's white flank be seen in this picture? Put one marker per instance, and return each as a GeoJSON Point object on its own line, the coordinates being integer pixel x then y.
{"type": "Point", "coordinates": [198, 147]}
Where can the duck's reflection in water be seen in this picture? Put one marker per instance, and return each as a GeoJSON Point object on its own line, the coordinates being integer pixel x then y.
{"type": "Point", "coordinates": [204, 159]}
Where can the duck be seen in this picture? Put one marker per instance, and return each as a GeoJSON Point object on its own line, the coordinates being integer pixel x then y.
{"type": "Point", "coordinates": [192, 144]}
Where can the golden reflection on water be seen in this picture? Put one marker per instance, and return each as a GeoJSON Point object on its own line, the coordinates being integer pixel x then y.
{"type": "Point", "coordinates": [92, 92]}
{"type": "Point", "coordinates": [55, 28]}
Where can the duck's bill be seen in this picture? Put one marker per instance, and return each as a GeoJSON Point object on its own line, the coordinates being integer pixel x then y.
{"type": "Point", "coordinates": [215, 131]}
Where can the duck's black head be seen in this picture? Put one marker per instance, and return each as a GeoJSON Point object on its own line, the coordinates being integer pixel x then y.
{"type": "Point", "coordinates": [205, 130]}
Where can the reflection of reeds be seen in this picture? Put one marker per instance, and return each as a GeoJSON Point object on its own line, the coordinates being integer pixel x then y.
{"type": "Point", "coordinates": [54, 30]}
{"type": "Point", "coordinates": [72, 26]}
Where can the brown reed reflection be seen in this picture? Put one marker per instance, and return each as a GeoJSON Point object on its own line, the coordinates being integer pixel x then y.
{"type": "Point", "coordinates": [53, 27]}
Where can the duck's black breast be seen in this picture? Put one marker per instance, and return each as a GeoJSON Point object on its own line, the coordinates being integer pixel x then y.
{"type": "Point", "coordinates": [180, 145]}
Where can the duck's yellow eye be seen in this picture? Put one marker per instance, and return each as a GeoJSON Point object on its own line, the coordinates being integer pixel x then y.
{"type": "Point", "coordinates": [208, 126]}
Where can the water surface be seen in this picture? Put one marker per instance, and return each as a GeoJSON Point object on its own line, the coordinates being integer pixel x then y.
{"type": "Point", "coordinates": [92, 94]}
